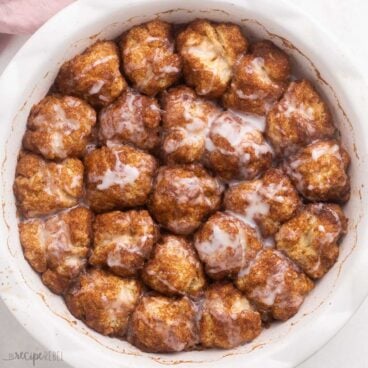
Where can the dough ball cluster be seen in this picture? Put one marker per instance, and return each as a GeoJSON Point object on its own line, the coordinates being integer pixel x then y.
{"type": "Point", "coordinates": [58, 247]}
{"type": "Point", "coordinates": [132, 119]}
{"type": "Point", "coordinates": [180, 187]}
{"type": "Point", "coordinates": [260, 78]}
{"type": "Point", "coordinates": [93, 75]}
{"type": "Point", "coordinates": [149, 58]}
{"type": "Point", "coordinates": [226, 245]}
{"type": "Point", "coordinates": [174, 268]}
{"type": "Point", "coordinates": [45, 187]}
{"type": "Point", "coordinates": [118, 176]}
{"type": "Point", "coordinates": [267, 202]}
{"type": "Point", "coordinates": [103, 301]}
{"type": "Point", "coordinates": [183, 196]}
{"type": "Point", "coordinates": [123, 241]}
{"type": "Point", "coordinates": [209, 52]}
{"type": "Point", "coordinates": [59, 126]}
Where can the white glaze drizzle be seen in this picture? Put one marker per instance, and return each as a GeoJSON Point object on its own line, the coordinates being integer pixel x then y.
{"type": "Point", "coordinates": [223, 251]}
{"type": "Point", "coordinates": [121, 174]}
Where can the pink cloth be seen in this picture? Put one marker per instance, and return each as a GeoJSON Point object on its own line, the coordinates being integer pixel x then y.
{"type": "Point", "coordinates": [25, 16]}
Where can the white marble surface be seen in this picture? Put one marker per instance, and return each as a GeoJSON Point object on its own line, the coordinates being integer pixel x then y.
{"type": "Point", "coordinates": [346, 20]}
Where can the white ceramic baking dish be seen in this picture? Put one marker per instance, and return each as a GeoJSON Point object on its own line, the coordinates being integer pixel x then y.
{"type": "Point", "coordinates": [28, 78]}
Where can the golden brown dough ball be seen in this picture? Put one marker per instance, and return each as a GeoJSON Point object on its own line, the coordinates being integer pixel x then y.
{"type": "Point", "coordinates": [174, 268]}
{"type": "Point", "coordinates": [310, 238]}
{"type": "Point", "coordinates": [133, 118]}
{"type": "Point", "coordinates": [227, 319]}
{"type": "Point", "coordinates": [267, 202]}
{"type": "Point", "coordinates": [149, 59]}
{"type": "Point", "coordinates": [186, 121]}
{"type": "Point", "coordinates": [123, 241]}
{"type": "Point", "coordinates": [183, 196]}
{"type": "Point", "coordinates": [59, 126]}
{"type": "Point", "coordinates": [57, 247]}
{"type": "Point", "coordinates": [118, 176]}
{"type": "Point", "coordinates": [319, 171]}
{"type": "Point", "coordinates": [162, 325]}
{"type": "Point", "coordinates": [260, 79]}
{"type": "Point", "coordinates": [226, 245]}
{"type": "Point", "coordinates": [274, 284]}
{"type": "Point", "coordinates": [209, 51]}
{"type": "Point", "coordinates": [104, 302]}
{"type": "Point", "coordinates": [299, 118]}
{"type": "Point", "coordinates": [42, 187]}
{"type": "Point", "coordinates": [235, 149]}
{"type": "Point", "coordinates": [93, 75]}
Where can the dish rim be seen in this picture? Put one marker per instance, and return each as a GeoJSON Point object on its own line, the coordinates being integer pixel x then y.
{"type": "Point", "coordinates": [15, 66]}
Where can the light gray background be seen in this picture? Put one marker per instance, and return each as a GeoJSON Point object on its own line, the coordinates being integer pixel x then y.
{"type": "Point", "coordinates": [346, 21]}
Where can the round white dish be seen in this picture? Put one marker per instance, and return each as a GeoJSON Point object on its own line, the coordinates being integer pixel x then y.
{"type": "Point", "coordinates": [29, 76]}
